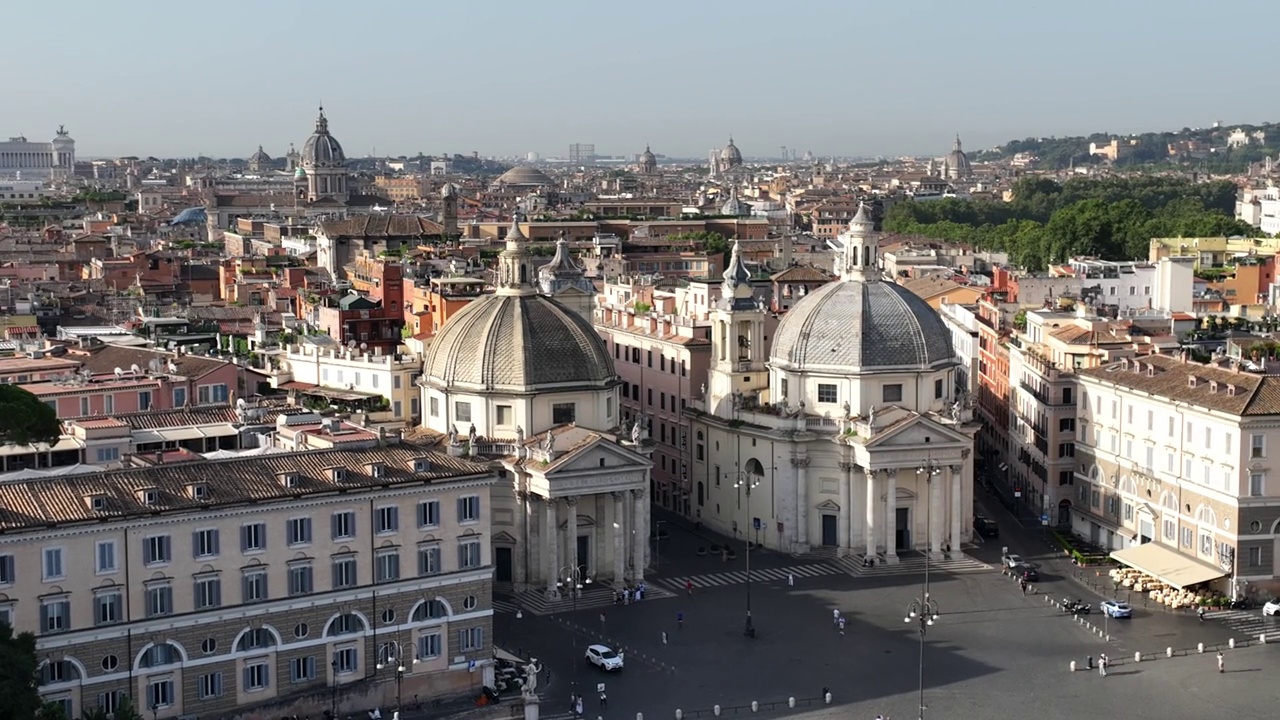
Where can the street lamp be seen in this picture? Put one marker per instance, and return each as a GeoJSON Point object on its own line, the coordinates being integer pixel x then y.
{"type": "Point", "coordinates": [394, 653]}
{"type": "Point", "coordinates": [746, 481]}
{"type": "Point", "coordinates": [657, 542]}
{"type": "Point", "coordinates": [924, 609]}
{"type": "Point", "coordinates": [575, 579]}
{"type": "Point", "coordinates": [333, 696]}
{"type": "Point", "coordinates": [155, 709]}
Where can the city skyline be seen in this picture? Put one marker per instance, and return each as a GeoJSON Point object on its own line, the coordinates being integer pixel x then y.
{"type": "Point", "coordinates": [855, 80]}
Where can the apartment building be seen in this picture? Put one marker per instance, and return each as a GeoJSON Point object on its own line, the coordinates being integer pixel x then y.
{"type": "Point", "coordinates": [1179, 456]}
{"type": "Point", "coordinates": [962, 321]}
{"type": "Point", "coordinates": [1042, 434]}
{"type": "Point", "coordinates": [1164, 284]}
{"type": "Point", "coordinates": [205, 587]}
{"type": "Point", "coordinates": [311, 368]}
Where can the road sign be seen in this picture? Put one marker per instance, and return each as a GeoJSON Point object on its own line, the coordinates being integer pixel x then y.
{"type": "Point", "coordinates": [755, 523]}
{"type": "Point", "coordinates": [1044, 517]}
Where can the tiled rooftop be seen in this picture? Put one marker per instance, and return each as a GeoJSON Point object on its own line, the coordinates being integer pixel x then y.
{"type": "Point", "coordinates": [1169, 377]}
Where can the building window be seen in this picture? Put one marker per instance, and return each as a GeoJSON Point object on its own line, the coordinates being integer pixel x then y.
{"type": "Point", "coordinates": [179, 397]}
{"type": "Point", "coordinates": [564, 413]}
{"type": "Point", "coordinates": [255, 586]}
{"type": "Point", "coordinates": [469, 509]}
{"type": "Point", "coordinates": [429, 646]}
{"type": "Point", "coordinates": [108, 454]}
{"type": "Point", "coordinates": [7, 575]}
{"type": "Point", "coordinates": [1257, 447]}
{"type": "Point", "coordinates": [144, 400]}
{"type": "Point", "coordinates": [1128, 512]}
{"type": "Point", "coordinates": [253, 538]}
{"type": "Point", "coordinates": [256, 676]}
{"type": "Point", "coordinates": [387, 566]}
{"type": "Point", "coordinates": [428, 559]}
{"type": "Point", "coordinates": [1255, 556]}
{"type": "Point", "coordinates": [105, 552]}
{"type": "Point", "coordinates": [302, 669]}
{"type": "Point", "coordinates": [343, 525]}
{"type": "Point", "coordinates": [1256, 482]}
{"type": "Point", "coordinates": [428, 513]}
{"type": "Point", "coordinates": [204, 543]}
{"type": "Point", "coordinates": [892, 393]}
{"type": "Point", "coordinates": [159, 600]}
{"type": "Point", "coordinates": [1206, 544]}
{"type": "Point", "coordinates": [298, 531]}
{"type": "Point", "coordinates": [937, 389]}
{"type": "Point", "coordinates": [160, 693]}
{"type": "Point", "coordinates": [210, 686]}
{"type": "Point", "coordinates": [1066, 450]}
{"type": "Point", "coordinates": [468, 554]}
{"type": "Point", "coordinates": [300, 579]}
{"type": "Point", "coordinates": [108, 607]}
{"type": "Point", "coordinates": [156, 550]}
{"type": "Point", "coordinates": [504, 415]}
{"type": "Point", "coordinates": [433, 406]}
{"type": "Point", "coordinates": [344, 572]}
{"type": "Point", "coordinates": [55, 615]}
{"type": "Point", "coordinates": [387, 519]}
{"type": "Point", "coordinates": [1170, 528]}
{"type": "Point", "coordinates": [1067, 425]}
{"type": "Point", "coordinates": [462, 411]}
{"type": "Point", "coordinates": [827, 393]}
{"type": "Point", "coordinates": [53, 569]}
{"type": "Point", "coordinates": [208, 591]}
{"type": "Point", "coordinates": [471, 639]}
{"type": "Point", "coordinates": [345, 661]}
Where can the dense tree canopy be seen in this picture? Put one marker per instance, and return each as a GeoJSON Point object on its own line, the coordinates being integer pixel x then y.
{"type": "Point", "coordinates": [1048, 222]}
{"type": "Point", "coordinates": [18, 665]}
{"type": "Point", "coordinates": [1149, 149]}
{"type": "Point", "coordinates": [25, 419]}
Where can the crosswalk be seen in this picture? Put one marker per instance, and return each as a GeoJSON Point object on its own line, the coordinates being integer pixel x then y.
{"type": "Point", "coordinates": [504, 606]}
{"type": "Point", "coordinates": [536, 602]}
{"type": "Point", "coordinates": [1248, 622]}
{"type": "Point", "coordinates": [914, 564]}
{"type": "Point", "coordinates": [737, 577]}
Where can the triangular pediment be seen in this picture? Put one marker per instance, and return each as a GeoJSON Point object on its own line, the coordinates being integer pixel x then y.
{"type": "Point", "coordinates": [918, 432]}
{"type": "Point", "coordinates": [597, 456]}
{"type": "Point", "coordinates": [503, 537]}
{"type": "Point", "coordinates": [828, 505]}
{"type": "Point", "coordinates": [570, 290]}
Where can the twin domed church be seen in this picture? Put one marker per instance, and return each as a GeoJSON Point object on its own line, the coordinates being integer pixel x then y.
{"type": "Point", "coordinates": [848, 434]}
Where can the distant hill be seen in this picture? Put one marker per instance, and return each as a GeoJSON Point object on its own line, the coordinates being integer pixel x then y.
{"type": "Point", "coordinates": [1151, 149]}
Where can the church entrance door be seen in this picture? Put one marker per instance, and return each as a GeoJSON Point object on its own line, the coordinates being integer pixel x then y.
{"type": "Point", "coordinates": [902, 523]}
{"type": "Point", "coordinates": [830, 532]}
{"type": "Point", "coordinates": [502, 564]}
{"type": "Point", "coordinates": [584, 554]}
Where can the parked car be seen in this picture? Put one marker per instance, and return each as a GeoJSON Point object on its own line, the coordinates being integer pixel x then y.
{"type": "Point", "coordinates": [1027, 572]}
{"type": "Point", "coordinates": [1271, 608]}
{"type": "Point", "coordinates": [986, 528]}
{"type": "Point", "coordinates": [1013, 561]}
{"type": "Point", "coordinates": [1116, 609]}
{"type": "Point", "coordinates": [603, 657]}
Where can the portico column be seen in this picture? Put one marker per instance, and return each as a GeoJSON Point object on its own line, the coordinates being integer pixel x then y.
{"type": "Point", "coordinates": [872, 500]}
{"type": "Point", "coordinates": [891, 516]}
{"type": "Point", "coordinates": [936, 516]}
{"type": "Point", "coordinates": [550, 551]}
{"type": "Point", "coordinates": [637, 540]}
{"type": "Point", "coordinates": [619, 542]}
{"type": "Point", "coordinates": [844, 536]}
{"type": "Point", "coordinates": [801, 464]}
{"type": "Point", "coordinates": [571, 535]}
{"type": "Point", "coordinates": [519, 572]}
{"type": "Point", "coordinates": [957, 509]}
{"type": "Point", "coordinates": [857, 515]}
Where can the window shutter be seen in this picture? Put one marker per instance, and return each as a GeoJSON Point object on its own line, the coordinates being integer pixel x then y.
{"type": "Point", "coordinates": [245, 682]}
{"type": "Point", "coordinates": [263, 587]}
{"type": "Point", "coordinates": [214, 536]}
{"type": "Point", "coordinates": [266, 676]}
{"type": "Point", "coordinates": [244, 583]}
{"type": "Point", "coordinates": [195, 544]}
{"type": "Point", "coordinates": [262, 535]}
{"type": "Point", "coordinates": [462, 508]}
{"type": "Point", "coordinates": [333, 526]}
{"type": "Point", "coordinates": [244, 538]}
{"type": "Point", "coordinates": [217, 593]}
{"type": "Point", "coordinates": [44, 618]}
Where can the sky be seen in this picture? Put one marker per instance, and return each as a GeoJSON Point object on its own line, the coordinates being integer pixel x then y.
{"type": "Point", "coordinates": [505, 78]}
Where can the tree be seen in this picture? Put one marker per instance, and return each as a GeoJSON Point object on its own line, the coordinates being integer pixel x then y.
{"type": "Point", "coordinates": [126, 710]}
{"type": "Point", "coordinates": [18, 680]}
{"type": "Point", "coordinates": [25, 419]}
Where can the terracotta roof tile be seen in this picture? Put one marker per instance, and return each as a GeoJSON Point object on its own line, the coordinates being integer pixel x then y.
{"type": "Point", "coordinates": [1169, 378]}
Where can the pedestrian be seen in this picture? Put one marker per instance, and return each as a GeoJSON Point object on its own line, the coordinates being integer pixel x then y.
{"type": "Point", "coordinates": [791, 579]}
{"type": "Point", "coordinates": [578, 707]}
{"type": "Point", "coordinates": [679, 621]}
{"type": "Point", "coordinates": [626, 597]}
{"type": "Point", "coordinates": [842, 626]}
{"type": "Point", "coordinates": [1022, 583]}
{"type": "Point", "coordinates": [835, 616]}
{"type": "Point", "coordinates": [604, 700]}
{"type": "Point", "coordinates": [688, 586]}
{"type": "Point", "coordinates": [1222, 666]}
{"type": "Point", "coordinates": [1102, 665]}
{"type": "Point", "coordinates": [664, 637]}
{"type": "Point", "coordinates": [602, 618]}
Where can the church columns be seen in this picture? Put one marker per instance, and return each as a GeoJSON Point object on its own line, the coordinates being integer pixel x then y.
{"type": "Point", "coordinates": [873, 500]}
{"type": "Point", "coordinates": [936, 515]}
{"type": "Point", "coordinates": [891, 516]}
{"type": "Point", "coordinates": [845, 536]}
{"type": "Point", "coordinates": [857, 514]}
{"type": "Point", "coordinates": [571, 536]}
{"type": "Point", "coordinates": [519, 565]}
{"type": "Point", "coordinates": [801, 464]}
{"type": "Point", "coordinates": [550, 551]}
{"type": "Point", "coordinates": [957, 508]}
{"type": "Point", "coordinates": [619, 542]}
{"type": "Point", "coordinates": [638, 535]}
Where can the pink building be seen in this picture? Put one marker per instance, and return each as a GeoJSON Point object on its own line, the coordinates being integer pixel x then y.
{"type": "Point", "coordinates": [80, 396]}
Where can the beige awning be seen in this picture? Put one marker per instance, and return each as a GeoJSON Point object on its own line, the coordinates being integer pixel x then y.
{"type": "Point", "coordinates": [1169, 565]}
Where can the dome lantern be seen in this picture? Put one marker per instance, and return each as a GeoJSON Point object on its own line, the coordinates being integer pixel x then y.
{"type": "Point", "coordinates": [860, 254]}
{"type": "Point", "coordinates": [515, 263]}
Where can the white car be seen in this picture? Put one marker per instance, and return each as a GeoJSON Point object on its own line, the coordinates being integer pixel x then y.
{"type": "Point", "coordinates": [603, 657]}
{"type": "Point", "coordinates": [1012, 561]}
{"type": "Point", "coordinates": [1271, 608]}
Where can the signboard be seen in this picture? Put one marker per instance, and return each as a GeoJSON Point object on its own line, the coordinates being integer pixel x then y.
{"type": "Point", "coordinates": [755, 524]}
{"type": "Point", "coordinates": [779, 528]}
{"type": "Point", "coordinates": [471, 666]}
{"type": "Point", "coordinates": [1017, 493]}
{"type": "Point", "coordinates": [1044, 519]}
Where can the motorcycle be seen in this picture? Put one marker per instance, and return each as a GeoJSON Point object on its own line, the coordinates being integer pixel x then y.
{"type": "Point", "coordinates": [1076, 607]}
{"type": "Point", "coordinates": [1241, 604]}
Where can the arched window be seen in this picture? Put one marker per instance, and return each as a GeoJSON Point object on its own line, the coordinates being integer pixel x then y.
{"type": "Point", "coordinates": [1168, 503]}
{"type": "Point", "coordinates": [866, 256]}
{"type": "Point", "coordinates": [56, 671]}
{"type": "Point", "coordinates": [165, 653]}
{"type": "Point", "coordinates": [754, 467]}
{"type": "Point", "coordinates": [345, 625]}
{"type": "Point", "coordinates": [1129, 486]}
{"type": "Point", "coordinates": [1206, 516]}
{"type": "Point", "coordinates": [430, 610]}
{"type": "Point", "coordinates": [255, 639]}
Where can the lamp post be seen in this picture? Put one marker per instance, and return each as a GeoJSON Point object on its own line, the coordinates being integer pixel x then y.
{"type": "Point", "coordinates": [575, 580]}
{"type": "Point", "coordinates": [155, 709]}
{"type": "Point", "coordinates": [924, 609]}
{"type": "Point", "coordinates": [333, 695]}
{"type": "Point", "coordinates": [657, 541]}
{"type": "Point", "coordinates": [395, 654]}
{"type": "Point", "coordinates": [746, 482]}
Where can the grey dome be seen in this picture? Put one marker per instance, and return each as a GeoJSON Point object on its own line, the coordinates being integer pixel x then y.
{"type": "Point", "coordinates": [730, 155]}
{"type": "Point", "coordinates": [322, 149]}
{"type": "Point", "coordinates": [260, 157]}
{"type": "Point", "coordinates": [849, 326]}
{"type": "Point", "coordinates": [518, 343]}
{"type": "Point", "coordinates": [525, 175]}
{"type": "Point", "coordinates": [957, 162]}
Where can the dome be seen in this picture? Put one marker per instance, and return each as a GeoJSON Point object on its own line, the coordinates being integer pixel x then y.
{"type": "Point", "coordinates": [525, 175]}
{"type": "Point", "coordinates": [260, 157]}
{"type": "Point", "coordinates": [957, 163]}
{"type": "Point", "coordinates": [299, 174]}
{"type": "Point", "coordinates": [730, 155]}
{"type": "Point", "coordinates": [518, 343]}
{"type": "Point", "coordinates": [322, 149]}
{"type": "Point", "coordinates": [647, 156]}
{"type": "Point", "coordinates": [850, 326]}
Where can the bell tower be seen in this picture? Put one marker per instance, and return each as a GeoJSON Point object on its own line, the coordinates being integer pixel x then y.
{"type": "Point", "coordinates": [738, 371]}
{"type": "Point", "coordinates": [859, 259]}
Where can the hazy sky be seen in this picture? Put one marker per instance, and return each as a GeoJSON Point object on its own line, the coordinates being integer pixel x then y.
{"type": "Point", "coordinates": [846, 77]}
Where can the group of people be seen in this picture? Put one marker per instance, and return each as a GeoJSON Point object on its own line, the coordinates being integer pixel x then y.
{"type": "Point", "coordinates": [629, 594]}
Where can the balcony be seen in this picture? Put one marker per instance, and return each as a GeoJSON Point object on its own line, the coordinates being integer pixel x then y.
{"type": "Point", "coordinates": [1042, 396]}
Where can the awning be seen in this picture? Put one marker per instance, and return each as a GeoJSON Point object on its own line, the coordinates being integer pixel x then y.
{"type": "Point", "coordinates": [501, 654]}
{"type": "Point", "coordinates": [181, 433]}
{"type": "Point", "coordinates": [1169, 565]}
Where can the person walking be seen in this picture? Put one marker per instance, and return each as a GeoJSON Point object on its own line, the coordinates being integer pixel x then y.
{"type": "Point", "coordinates": [1102, 665]}
{"type": "Point", "coordinates": [578, 707]}
{"type": "Point", "coordinates": [1222, 663]}
{"type": "Point", "coordinates": [604, 700]}
{"type": "Point", "coordinates": [664, 637]}
{"type": "Point", "coordinates": [835, 616]}
{"type": "Point", "coordinates": [841, 623]}
{"type": "Point", "coordinates": [688, 587]}
{"type": "Point", "coordinates": [679, 620]}
{"type": "Point", "coordinates": [791, 579]}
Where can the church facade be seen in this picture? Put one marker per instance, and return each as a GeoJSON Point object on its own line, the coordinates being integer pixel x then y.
{"type": "Point", "coordinates": [848, 433]}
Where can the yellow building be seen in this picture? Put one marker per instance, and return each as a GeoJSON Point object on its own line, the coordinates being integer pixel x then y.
{"type": "Point", "coordinates": [1212, 251]}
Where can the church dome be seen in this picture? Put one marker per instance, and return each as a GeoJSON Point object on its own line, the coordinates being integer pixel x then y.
{"type": "Point", "coordinates": [730, 155]}
{"type": "Point", "coordinates": [260, 157]}
{"type": "Point", "coordinates": [957, 163]}
{"type": "Point", "coordinates": [647, 156]}
{"type": "Point", "coordinates": [852, 326]}
{"type": "Point", "coordinates": [518, 343]}
{"type": "Point", "coordinates": [525, 175]}
{"type": "Point", "coordinates": [322, 149]}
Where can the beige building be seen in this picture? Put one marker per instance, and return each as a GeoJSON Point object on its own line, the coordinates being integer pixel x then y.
{"type": "Point", "coordinates": [359, 373]}
{"type": "Point", "coordinates": [201, 587]}
{"type": "Point", "coordinates": [1179, 455]}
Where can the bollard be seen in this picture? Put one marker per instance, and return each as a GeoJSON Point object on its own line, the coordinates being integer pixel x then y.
{"type": "Point", "coordinates": [1137, 657]}
{"type": "Point", "coordinates": [1262, 639]}
{"type": "Point", "coordinates": [791, 702]}
{"type": "Point", "coordinates": [1231, 643]}
{"type": "Point", "coordinates": [755, 706]}
{"type": "Point", "coordinates": [827, 698]}
{"type": "Point", "coordinates": [1073, 666]}
{"type": "Point", "coordinates": [716, 710]}
{"type": "Point", "coordinates": [679, 714]}
{"type": "Point", "coordinates": [1200, 647]}
{"type": "Point", "coordinates": [639, 716]}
